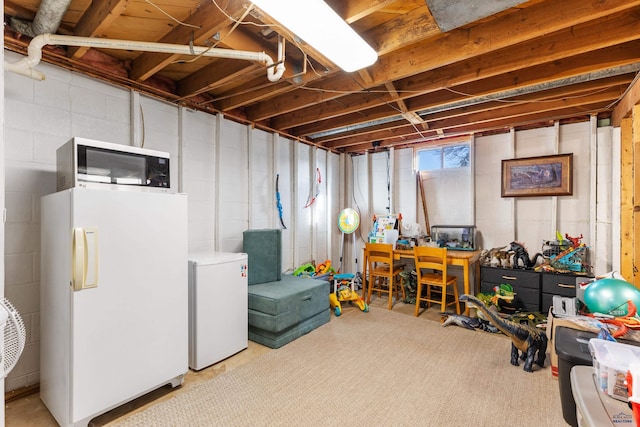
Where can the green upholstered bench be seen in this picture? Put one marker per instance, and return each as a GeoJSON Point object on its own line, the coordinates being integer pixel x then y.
{"type": "Point", "coordinates": [281, 307]}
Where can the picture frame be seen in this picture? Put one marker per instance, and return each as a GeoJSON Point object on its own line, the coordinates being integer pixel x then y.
{"type": "Point", "coordinates": [538, 176]}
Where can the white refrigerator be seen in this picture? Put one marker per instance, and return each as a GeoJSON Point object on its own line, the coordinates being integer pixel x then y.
{"type": "Point", "coordinates": [114, 299]}
{"type": "Point", "coordinates": [218, 307]}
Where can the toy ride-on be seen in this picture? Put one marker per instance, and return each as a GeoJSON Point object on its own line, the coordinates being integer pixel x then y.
{"type": "Point", "coordinates": [343, 291]}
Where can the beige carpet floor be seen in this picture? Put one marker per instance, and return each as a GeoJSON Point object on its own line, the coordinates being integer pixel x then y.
{"type": "Point", "coordinates": [376, 368]}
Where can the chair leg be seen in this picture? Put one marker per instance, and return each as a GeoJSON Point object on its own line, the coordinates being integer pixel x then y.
{"type": "Point", "coordinates": [444, 299]}
{"type": "Point", "coordinates": [455, 295]}
{"type": "Point", "coordinates": [390, 289]}
{"type": "Point", "coordinates": [418, 292]}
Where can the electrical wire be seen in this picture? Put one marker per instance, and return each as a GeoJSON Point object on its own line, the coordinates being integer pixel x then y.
{"type": "Point", "coordinates": [633, 82]}
{"type": "Point", "coordinates": [388, 159]}
{"type": "Point", "coordinates": [171, 17]}
{"type": "Point", "coordinates": [353, 196]}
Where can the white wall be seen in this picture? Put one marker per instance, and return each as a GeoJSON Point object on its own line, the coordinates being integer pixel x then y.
{"type": "Point", "coordinates": [533, 219]}
{"type": "Point", "coordinates": [226, 168]}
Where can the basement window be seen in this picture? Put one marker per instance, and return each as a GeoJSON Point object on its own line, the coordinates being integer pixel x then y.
{"type": "Point", "coordinates": [452, 156]}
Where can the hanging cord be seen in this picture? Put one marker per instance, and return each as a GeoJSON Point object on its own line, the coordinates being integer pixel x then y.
{"type": "Point", "coordinates": [388, 183]}
{"type": "Point", "coordinates": [278, 204]}
{"type": "Point", "coordinates": [314, 191]}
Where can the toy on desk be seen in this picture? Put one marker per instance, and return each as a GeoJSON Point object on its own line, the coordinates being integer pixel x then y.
{"type": "Point", "coordinates": [344, 290]}
{"type": "Point", "coordinates": [562, 257]}
{"type": "Point", "coordinates": [521, 254]}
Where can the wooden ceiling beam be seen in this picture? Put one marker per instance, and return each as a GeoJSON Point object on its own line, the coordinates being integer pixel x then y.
{"type": "Point", "coordinates": [378, 131]}
{"type": "Point", "coordinates": [508, 30]}
{"type": "Point", "coordinates": [451, 98]}
{"type": "Point", "coordinates": [588, 93]}
{"type": "Point", "coordinates": [208, 18]}
{"type": "Point", "coordinates": [17, 11]}
{"type": "Point", "coordinates": [100, 15]}
{"type": "Point", "coordinates": [599, 98]}
{"type": "Point", "coordinates": [536, 117]}
{"type": "Point", "coordinates": [212, 76]}
{"type": "Point", "coordinates": [513, 115]}
{"type": "Point", "coordinates": [407, 29]}
{"type": "Point", "coordinates": [551, 47]}
{"type": "Point", "coordinates": [354, 10]}
{"type": "Point", "coordinates": [499, 124]}
{"type": "Point", "coordinates": [568, 68]}
{"type": "Point", "coordinates": [625, 105]}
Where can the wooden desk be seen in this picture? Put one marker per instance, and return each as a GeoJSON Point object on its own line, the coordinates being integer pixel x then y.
{"type": "Point", "coordinates": [460, 258]}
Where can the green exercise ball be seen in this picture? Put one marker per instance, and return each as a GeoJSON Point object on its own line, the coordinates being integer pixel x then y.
{"type": "Point", "coordinates": [610, 296]}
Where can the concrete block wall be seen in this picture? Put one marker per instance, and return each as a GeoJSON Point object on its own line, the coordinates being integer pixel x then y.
{"type": "Point", "coordinates": [41, 117]}
{"type": "Point", "coordinates": [210, 161]}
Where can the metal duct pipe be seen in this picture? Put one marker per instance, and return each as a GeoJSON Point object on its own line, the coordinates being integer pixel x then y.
{"type": "Point", "coordinates": [47, 20]}
{"type": "Point", "coordinates": [34, 56]}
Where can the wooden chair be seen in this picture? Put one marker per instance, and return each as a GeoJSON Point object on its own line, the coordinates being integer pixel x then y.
{"type": "Point", "coordinates": [382, 271]}
{"type": "Point", "coordinates": [429, 258]}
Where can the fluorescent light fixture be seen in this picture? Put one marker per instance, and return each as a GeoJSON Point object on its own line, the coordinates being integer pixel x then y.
{"type": "Point", "coordinates": [320, 27]}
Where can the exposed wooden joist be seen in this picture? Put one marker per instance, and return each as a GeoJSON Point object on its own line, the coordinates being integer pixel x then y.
{"type": "Point", "coordinates": [627, 102]}
{"type": "Point", "coordinates": [517, 27]}
{"type": "Point", "coordinates": [99, 16]}
{"type": "Point", "coordinates": [544, 50]}
{"type": "Point", "coordinates": [208, 18]}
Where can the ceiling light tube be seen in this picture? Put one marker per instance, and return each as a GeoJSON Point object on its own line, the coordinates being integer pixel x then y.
{"type": "Point", "coordinates": [319, 26]}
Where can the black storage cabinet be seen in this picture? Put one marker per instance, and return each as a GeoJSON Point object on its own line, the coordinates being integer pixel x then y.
{"type": "Point", "coordinates": [572, 348]}
{"type": "Point", "coordinates": [525, 283]}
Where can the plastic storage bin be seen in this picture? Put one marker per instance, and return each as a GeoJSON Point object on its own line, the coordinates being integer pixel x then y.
{"type": "Point", "coordinates": [611, 361]}
{"type": "Point", "coordinates": [593, 407]}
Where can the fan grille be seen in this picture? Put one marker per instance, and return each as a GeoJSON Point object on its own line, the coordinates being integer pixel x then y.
{"type": "Point", "coordinates": [14, 337]}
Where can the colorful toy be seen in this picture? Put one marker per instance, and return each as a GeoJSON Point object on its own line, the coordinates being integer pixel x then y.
{"type": "Point", "coordinates": [324, 268]}
{"type": "Point", "coordinates": [344, 290]}
{"type": "Point", "coordinates": [531, 341]}
{"type": "Point", "coordinates": [307, 269]}
{"type": "Point", "coordinates": [623, 323]}
{"type": "Point", "coordinates": [521, 254]}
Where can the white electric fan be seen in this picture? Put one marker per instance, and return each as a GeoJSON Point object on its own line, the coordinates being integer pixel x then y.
{"type": "Point", "coordinates": [348, 222]}
{"type": "Point", "coordinates": [14, 336]}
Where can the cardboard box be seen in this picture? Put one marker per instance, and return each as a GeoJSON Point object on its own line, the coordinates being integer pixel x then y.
{"type": "Point", "coordinates": [554, 322]}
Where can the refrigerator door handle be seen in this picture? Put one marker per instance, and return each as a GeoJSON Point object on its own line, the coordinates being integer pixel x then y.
{"type": "Point", "coordinates": [85, 258]}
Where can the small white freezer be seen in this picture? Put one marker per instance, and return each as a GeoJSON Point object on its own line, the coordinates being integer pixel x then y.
{"type": "Point", "coordinates": [218, 307]}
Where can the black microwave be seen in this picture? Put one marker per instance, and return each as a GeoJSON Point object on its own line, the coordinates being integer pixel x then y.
{"type": "Point", "coordinates": [89, 163]}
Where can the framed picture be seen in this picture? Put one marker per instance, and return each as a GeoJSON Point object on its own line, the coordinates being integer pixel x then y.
{"type": "Point", "coordinates": [538, 176]}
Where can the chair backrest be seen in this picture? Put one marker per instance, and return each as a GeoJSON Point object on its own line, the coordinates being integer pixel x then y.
{"type": "Point", "coordinates": [379, 253]}
{"type": "Point", "coordinates": [427, 257]}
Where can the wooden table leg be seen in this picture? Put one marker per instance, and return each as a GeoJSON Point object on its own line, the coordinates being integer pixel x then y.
{"type": "Point", "coordinates": [364, 275]}
{"type": "Point", "coordinates": [465, 268]}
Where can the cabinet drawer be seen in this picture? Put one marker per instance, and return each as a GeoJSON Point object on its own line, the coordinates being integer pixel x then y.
{"type": "Point", "coordinates": [526, 299]}
{"type": "Point", "coordinates": [513, 277]}
{"type": "Point", "coordinates": [559, 284]}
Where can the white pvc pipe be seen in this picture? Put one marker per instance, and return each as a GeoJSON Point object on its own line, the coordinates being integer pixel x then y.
{"type": "Point", "coordinates": [34, 52]}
